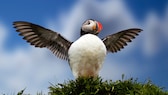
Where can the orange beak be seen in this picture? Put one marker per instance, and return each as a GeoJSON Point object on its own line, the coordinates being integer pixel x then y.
{"type": "Point", "coordinates": [99, 26]}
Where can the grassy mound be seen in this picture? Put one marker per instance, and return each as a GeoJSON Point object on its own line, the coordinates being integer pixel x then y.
{"type": "Point", "coordinates": [95, 86]}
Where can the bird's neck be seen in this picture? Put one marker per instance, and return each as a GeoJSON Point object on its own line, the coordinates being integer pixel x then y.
{"type": "Point", "coordinates": [84, 32]}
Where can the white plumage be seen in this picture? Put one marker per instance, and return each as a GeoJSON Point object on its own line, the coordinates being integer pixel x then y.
{"type": "Point", "coordinates": [86, 56]}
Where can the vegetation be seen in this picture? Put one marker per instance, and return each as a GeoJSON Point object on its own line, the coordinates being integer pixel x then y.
{"type": "Point", "coordinates": [96, 86]}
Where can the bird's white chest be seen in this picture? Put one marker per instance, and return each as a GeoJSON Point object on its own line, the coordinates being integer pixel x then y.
{"type": "Point", "coordinates": [86, 55]}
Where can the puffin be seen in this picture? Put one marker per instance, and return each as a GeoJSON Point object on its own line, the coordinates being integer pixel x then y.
{"type": "Point", "coordinates": [85, 55]}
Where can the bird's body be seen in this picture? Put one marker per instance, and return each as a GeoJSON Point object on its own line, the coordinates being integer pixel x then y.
{"type": "Point", "coordinates": [86, 55]}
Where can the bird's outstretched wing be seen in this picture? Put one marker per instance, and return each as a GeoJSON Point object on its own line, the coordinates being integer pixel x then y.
{"type": "Point", "coordinates": [117, 41]}
{"type": "Point", "coordinates": [42, 37]}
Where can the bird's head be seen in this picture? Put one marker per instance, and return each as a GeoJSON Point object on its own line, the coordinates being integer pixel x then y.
{"type": "Point", "coordinates": [91, 27]}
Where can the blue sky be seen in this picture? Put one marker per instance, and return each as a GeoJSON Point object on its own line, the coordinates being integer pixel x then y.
{"type": "Point", "coordinates": [22, 65]}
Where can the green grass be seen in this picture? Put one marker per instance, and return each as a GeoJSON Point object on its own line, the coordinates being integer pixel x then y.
{"type": "Point", "coordinates": [96, 86]}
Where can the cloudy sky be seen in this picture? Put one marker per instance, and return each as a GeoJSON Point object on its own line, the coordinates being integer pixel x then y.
{"type": "Point", "coordinates": [22, 65]}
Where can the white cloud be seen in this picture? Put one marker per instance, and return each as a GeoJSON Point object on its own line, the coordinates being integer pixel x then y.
{"type": "Point", "coordinates": [113, 69]}
{"type": "Point", "coordinates": [155, 33]}
{"type": "Point", "coordinates": [32, 68]}
{"type": "Point", "coordinates": [151, 43]}
{"type": "Point", "coordinates": [3, 35]}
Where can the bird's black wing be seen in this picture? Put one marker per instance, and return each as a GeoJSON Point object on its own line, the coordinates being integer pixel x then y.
{"type": "Point", "coordinates": [42, 37]}
{"type": "Point", "coordinates": [117, 41]}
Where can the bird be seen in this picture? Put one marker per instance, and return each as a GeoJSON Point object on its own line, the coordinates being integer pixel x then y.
{"type": "Point", "coordinates": [85, 55]}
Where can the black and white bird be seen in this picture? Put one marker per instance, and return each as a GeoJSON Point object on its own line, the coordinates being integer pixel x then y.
{"type": "Point", "coordinates": [86, 54]}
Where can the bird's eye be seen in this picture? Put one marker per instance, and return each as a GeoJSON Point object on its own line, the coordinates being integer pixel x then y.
{"type": "Point", "coordinates": [88, 22]}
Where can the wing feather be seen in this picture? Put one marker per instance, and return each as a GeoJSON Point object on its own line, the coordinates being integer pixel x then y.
{"type": "Point", "coordinates": [42, 37]}
{"type": "Point", "coordinates": [115, 42]}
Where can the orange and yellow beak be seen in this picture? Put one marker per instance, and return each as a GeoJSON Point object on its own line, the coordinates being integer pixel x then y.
{"type": "Point", "coordinates": [97, 27]}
